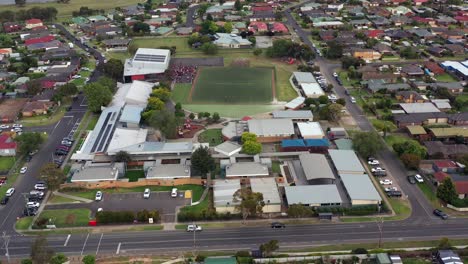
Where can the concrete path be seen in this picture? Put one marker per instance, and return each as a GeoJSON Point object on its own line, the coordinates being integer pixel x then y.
{"type": "Point", "coordinates": [174, 261]}
{"type": "Point", "coordinates": [84, 200]}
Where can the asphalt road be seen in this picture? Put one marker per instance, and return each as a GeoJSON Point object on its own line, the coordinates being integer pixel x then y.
{"type": "Point", "coordinates": [190, 22]}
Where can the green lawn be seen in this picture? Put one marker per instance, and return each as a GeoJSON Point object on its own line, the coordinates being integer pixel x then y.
{"type": "Point", "coordinates": [199, 207]}
{"type": "Point", "coordinates": [134, 175]}
{"type": "Point", "coordinates": [6, 163]}
{"type": "Point", "coordinates": [445, 78]}
{"type": "Point", "coordinates": [11, 180]}
{"type": "Point", "coordinates": [65, 10]}
{"type": "Point", "coordinates": [430, 195]}
{"type": "Point", "coordinates": [234, 111]}
{"type": "Point", "coordinates": [55, 199]}
{"type": "Point", "coordinates": [92, 122]}
{"type": "Point", "coordinates": [43, 120]}
{"type": "Point", "coordinates": [212, 136]}
{"type": "Point", "coordinates": [344, 79]}
{"type": "Point", "coordinates": [24, 223]}
{"type": "Point", "coordinates": [67, 217]}
{"type": "Point", "coordinates": [392, 139]}
{"type": "Point", "coordinates": [180, 43]}
{"type": "Point", "coordinates": [275, 166]}
{"type": "Point", "coordinates": [181, 92]}
{"type": "Point", "coordinates": [401, 208]}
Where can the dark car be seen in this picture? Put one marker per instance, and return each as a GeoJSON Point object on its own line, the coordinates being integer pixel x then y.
{"type": "Point", "coordinates": [61, 153]}
{"type": "Point", "coordinates": [440, 214]}
{"type": "Point", "coordinates": [393, 194]}
{"type": "Point", "coordinates": [4, 200]}
{"type": "Point", "coordinates": [411, 179]}
{"type": "Point", "coordinates": [30, 211]}
{"type": "Point", "coordinates": [277, 225]}
{"type": "Point", "coordinates": [69, 108]}
{"type": "Point", "coordinates": [28, 158]}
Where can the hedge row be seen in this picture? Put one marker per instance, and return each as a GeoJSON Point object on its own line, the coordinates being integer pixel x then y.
{"type": "Point", "coordinates": [355, 210]}
{"type": "Point", "coordinates": [120, 217]}
{"type": "Point", "coordinates": [460, 202]}
{"type": "Point", "coordinates": [208, 215]}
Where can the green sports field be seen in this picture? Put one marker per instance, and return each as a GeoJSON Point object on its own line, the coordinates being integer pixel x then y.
{"type": "Point", "coordinates": [233, 85]}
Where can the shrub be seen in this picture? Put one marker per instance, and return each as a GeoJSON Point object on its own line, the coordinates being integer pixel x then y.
{"type": "Point", "coordinates": [242, 254]}
{"type": "Point", "coordinates": [110, 217]}
{"type": "Point", "coordinates": [359, 251]}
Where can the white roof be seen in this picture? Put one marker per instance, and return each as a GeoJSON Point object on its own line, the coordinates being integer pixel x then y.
{"type": "Point", "coordinates": [442, 103]}
{"type": "Point", "coordinates": [228, 148]}
{"type": "Point", "coordinates": [246, 169]}
{"type": "Point", "coordinates": [310, 129]}
{"type": "Point", "coordinates": [223, 192]}
{"type": "Point", "coordinates": [168, 171]}
{"type": "Point", "coordinates": [299, 114]}
{"type": "Point", "coordinates": [312, 89]}
{"type": "Point", "coordinates": [124, 137]}
{"type": "Point", "coordinates": [295, 103]}
{"type": "Point", "coordinates": [147, 61]}
{"type": "Point", "coordinates": [411, 108]}
{"type": "Point", "coordinates": [135, 93]}
{"type": "Point", "coordinates": [304, 77]}
{"type": "Point", "coordinates": [460, 67]}
{"type": "Point", "coordinates": [267, 187]}
{"type": "Point", "coordinates": [313, 194]}
{"type": "Point", "coordinates": [271, 127]}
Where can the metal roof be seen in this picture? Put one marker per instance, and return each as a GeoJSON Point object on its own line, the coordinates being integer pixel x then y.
{"type": "Point", "coordinates": [126, 137]}
{"type": "Point", "coordinates": [313, 194]}
{"type": "Point", "coordinates": [411, 108]}
{"type": "Point", "coordinates": [344, 144]}
{"type": "Point", "coordinates": [416, 130]}
{"type": "Point", "coordinates": [131, 114]}
{"type": "Point", "coordinates": [304, 77]}
{"type": "Point", "coordinates": [247, 169]}
{"type": "Point", "coordinates": [300, 114]}
{"type": "Point", "coordinates": [312, 89]}
{"type": "Point", "coordinates": [316, 166]}
{"type": "Point", "coordinates": [346, 161]}
{"type": "Point", "coordinates": [96, 172]}
{"type": "Point", "coordinates": [147, 61]}
{"type": "Point", "coordinates": [223, 192]}
{"type": "Point", "coordinates": [295, 103]}
{"type": "Point", "coordinates": [310, 129]}
{"type": "Point", "coordinates": [228, 148]}
{"type": "Point", "coordinates": [267, 187]}
{"type": "Point", "coordinates": [271, 127]}
{"type": "Point", "coordinates": [360, 187]}
{"type": "Point", "coordinates": [168, 171]}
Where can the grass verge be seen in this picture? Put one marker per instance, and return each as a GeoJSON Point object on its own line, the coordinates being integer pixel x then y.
{"type": "Point", "coordinates": [55, 199]}
{"type": "Point", "coordinates": [6, 163]}
{"type": "Point", "coordinates": [43, 120]}
{"type": "Point", "coordinates": [212, 136]}
{"type": "Point", "coordinates": [24, 223]}
{"type": "Point", "coordinates": [11, 180]}
{"type": "Point", "coordinates": [134, 175]}
{"type": "Point", "coordinates": [67, 217]}
{"type": "Point", "coordinates": [401, 207]}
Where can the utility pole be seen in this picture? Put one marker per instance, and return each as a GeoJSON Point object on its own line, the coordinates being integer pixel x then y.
{"type": "Point", "coordinates": [194, 242]}
{"type": "Point", "coordinates": [380, 222]}
{"type": "Point", "coordinates": [6, 241]}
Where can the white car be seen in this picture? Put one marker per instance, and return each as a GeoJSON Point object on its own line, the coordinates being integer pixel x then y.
{"type": "Point", "coordinates": [376, 169]}
{"type": "Point", "coordinates": [390, 189]}
{"type": "Point", "coordinates": [17, 126]}
{"type": "Point", "coordinates": [419, 178]}
{"type": "Point", "coordinates": [4, 126]}
{"type": "Point", "coordinates": [174, 192]}
{"type": "Point", "coordinates": [98, 196]}
{"type": "Point", "coordinates": [386, 182]}
{"type": "Point", "coordinates": [17, 129]}
{"type": "Point", "coordinates": [353, 100]}
{"type": "Point", "coordinates": [33, 204]}
{"type": "Point", "coordinates": [335, 74]}
{"type": "Point", "coordinates": [39, 187]}
{"type": "Point", "coordinates": [373, 162]}
{"type": "Point", "coordinates": [76, 76]}
{"type": "Point", "coordinates": [146, 193]}
{"type": "Point", "coordinates": [23, 170]}
{"type": "Point", "coordinates": [194, 228]}
{"type": "Point", "coordinates": [10, 192]}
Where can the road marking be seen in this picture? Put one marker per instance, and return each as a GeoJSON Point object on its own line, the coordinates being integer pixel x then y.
{"type": "Point", "coordinates": [84, 245]}
{"type": "Point", "coordinates": [99, 244]}
{"type": "Point", "coordinates": [118, 249]}
{"type": "Point", "coordinates": [66, 241]}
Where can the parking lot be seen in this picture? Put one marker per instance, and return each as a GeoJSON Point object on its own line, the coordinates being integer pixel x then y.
{"type": "Point", "coordinates": [383, 178]}
{"type": "Point", "coordinates": [161, 201]}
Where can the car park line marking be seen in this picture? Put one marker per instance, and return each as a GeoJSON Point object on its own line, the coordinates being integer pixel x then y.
{"type": "Point", "coordinates": [118, 249]}
{"type": "Point", "coordinates": [84, 244]}
{"type": "Point", "coordinates": [99, 244]}
{"type": "Point", "coordinates": [66, 241]}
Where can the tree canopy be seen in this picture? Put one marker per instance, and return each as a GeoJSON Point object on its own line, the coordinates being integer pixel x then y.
{"type": "Point", "coordinates": [98, 94]}
{"type": "Point", "coordinates": [140, 27]}
{"type": "Point", "coordinates": [52, 175]}
{"type": "Point", "coordinates": [29, 141]}
{"type": "Point", "coordinates": [446, 191]}
{"type": "Point", "coordinates": [410, 147]}
{"type": "Point", "coordinates": [269, 247]}
{"type": "Point", "coordinates": [122, 156]}
{"type": "Point", "coordinates": [202, 162]}
{"type": "Point", "coordinates": [114, 69]}
{"type": "Point", "coordinates": [252, 147]}
{"type": "Point", "coordinates": [40, 253]}
{"type": "Point", "coordinates": [164, 120]}
{"type": "Point", "coordinates": [367, 144]}
{"type": "Point", "coordinates": [285, 47]}
{"type": "Point", "coordinates": [248, 203]}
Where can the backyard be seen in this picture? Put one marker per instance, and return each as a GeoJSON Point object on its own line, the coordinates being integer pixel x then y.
{"type": "Point", "coordinates": [212, 136]}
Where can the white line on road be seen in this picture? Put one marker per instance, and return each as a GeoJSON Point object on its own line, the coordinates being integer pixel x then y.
{"type": "Point", "coordinates": [99, 244]}
{"type": "Point", "coordinates": [84, 245]}
{"type": "Point", "coordinates": [66, 241]}
{"type": "Point", "coordinates": [118, 249]}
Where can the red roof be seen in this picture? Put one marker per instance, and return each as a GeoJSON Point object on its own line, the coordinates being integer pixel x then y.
{"type": "Point", "coordinates": [6, 142]}
{"type": "Point", "coordinates": [39, 40]}
{"type": "Point", "coordinates": [461, 18]}
{"type": "Point", "coordinates": [374, 33]}
{"type": "Point", "coordinates": [260, 26]}
{"type": "Point", "coordinates": [33, 21]}
{"type": "Point", "coordinates": [420, 1]}
{"type": "Point", "coordinates": [279, 27]}
{"type": "Point", "coordinates": [461, 187]}
{"type": "Point", "coordinates": [445, 164]}
{"type": "Point", "coordinates": [262, 8]}
{"type": "Point", "coordinates": [433, 67]}
{"type": "Point", "coordinates": [38, 28]}
{"type": "Point", "coordinates": [246, 118]}
{"type": "Point", "coordinates": [440, 176]}
{"type": "Point", "coordinates": [422, 19]}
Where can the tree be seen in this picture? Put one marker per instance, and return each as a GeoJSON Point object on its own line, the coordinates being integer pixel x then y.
{"type": "Point", "coordinates": [132, 48]}
{"type": "Point", "coordinates": [334, 51]}
{"type": "Point", "coordinates": [384, 126]}
{"type": "Point", "coordinates": [89, 259]}
{"type": "Point", "coordinates": [446, 191]}
{"type": "Point", "coordinates": [58, 259]}
{"type": "Point", "coordinates": [26, 261]}
{"type": "Point", "coordinates": [161, 93]}
{"type": "Point", "coordinates": [114, 69]}
{"type": "Point", "coordinates": [228, 27]}
{"type": "Point", "coordinates": [97, 96]}
{"type": "Point", "coordinates": [122, 156]}
{"type": "Point", "coordinates": [323, 99]}
{"type": "Point", "coordinates": [202, 162]}
{"type": "Point", "coordinates": [155, 103]}
{"type": "Point", "coordinates": [140, 27]}
{"type": "Point", "coordinates": [192, 116]}
{"type": "Point", "coordinates": [20, 2]}
{"type": "Point", "coordinates": [165, 121]}
{"type": "Point", "coordinates": [40, 253]}
{"type": "Point", "coordinates": [29, 141]}
{"type": "Point", "coordinates": [247, 136]}
{"type": "Point", "coordinates": [341, 101]}
{"type": "Point", "coordinates": [33, 87]}
{"type": "Point", "coordinates": [52, 175]}
{"type": "Point", "coordinates": [209, 48]}
{"type": "Point", "coordinates": [257, 52]}
{"type": "Point", "coordinates": [252, 147]}
{"type": "Point", "coordinates": [334, 112]}
{"type": "Point", "coordinates": [68, 89]}
{"type": "Point", "coordinates": [410, 147]}
{"type": "Point", "coordinates": [248, 203]}
{"type": "Point", "coordinates": [209, 17]}
{"type": "Point", "coordinates": [367, 144]}
{"type": "Point", "coordinates": [444, 243]}
{"type": "Point", "coordinates": [299, 211]}
{"type": "Point", "coordinates": [269, 247]}
{"type": "Point", "coordinates": [216, 117]}
{"type": "Point", "coordinates": [411, 161]}
{"type": "Point", "coordinates": [6, 40]}
{"type": "Point", "coordinates": [237, 5]}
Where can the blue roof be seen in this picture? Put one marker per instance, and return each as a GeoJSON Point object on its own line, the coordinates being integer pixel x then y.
{"type": "Point", "coordinates": [131, 114]}
{"type": "Point", "coordinates": [323, 142]}
{"type": "Point", "coordinates": [292, 143]}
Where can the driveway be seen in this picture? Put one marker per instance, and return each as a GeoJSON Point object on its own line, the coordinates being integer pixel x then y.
{"type": "Point", "coordinates": [161, 201]}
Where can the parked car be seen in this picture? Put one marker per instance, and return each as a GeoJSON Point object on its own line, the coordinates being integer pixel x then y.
{"type": "Point", "coordinates": [4, 126]}
{"type": "Point", "coordinates": [33, 205]}
{"type": "Point", "coordinates": [277, 225]}
{"type": "Point", "coordinates": [376, 169]}
{"type": "Point", "coordinates": [17, 126]}
{"type": "Point", "coordinates": [98, 196]}
{"type": "Point", "coordinates": [64, 148]}
{"type": "Point", "coordinates": [31, 153]}
{"type": "Point", "coordinates": [373, 162]}
{"type": "Point", "coordinates": [4, 200]}
{"type": "Point", "coordinates": [66, 143]}
{"type": "Point", "coordinates": [389, 189]}
{"type": "Point", "coordinates": [28, 158]}
{"type": "Point", "coordinates": [194, 228]}
{"type": "Point", "coordinates": [40, 187]}
{"type": "Point", "coordinates": [30, 211]}
{"type": "Point", "coordinates": [411, 179]}
{"type": "Point", "coordinates": [386, 182]}
{"type": "Point", "coordinates": [380, 173]}
{"type": "Point", "coordinates": [23, 170]}
{"type": "Point", "coordinates": [174, 192]}
{"type": "Point", "coordinates": [440, 214]}
{"type": "Point", "coordinates": [10, 192]}
{"type": "Point", "coordinates": [394, 194]}
{"type": "Point", "coordinates": [146, 193]}
{"type": "Point", "coordinates": [419, 178]}
{"type": "Point", "coordinates": [353, 100]}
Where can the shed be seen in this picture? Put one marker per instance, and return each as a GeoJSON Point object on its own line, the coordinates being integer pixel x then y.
{"type": "Point", "coordinates": [304, 77]}
{"type": "Point", "coordinates": [382, 258]}
{"type": "Point", "coordinates": [246, 169]}
{"type": "Point", "coordinates": [346, 161]}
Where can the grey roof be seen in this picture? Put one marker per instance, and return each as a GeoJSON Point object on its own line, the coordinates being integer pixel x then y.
{"type": "Point", "coordinates": [316, 166]}
{"type": "Point", "coordinates": [223, 192]}
{"type": "Point", "coordinates": [344, 144]}
{"type": "Point", "coordinates": [449, 257]}
{"type": "Point", "coordinates": [267, 187]}
{"type": "Point", "coordinates": [411, 108]}
{"type": "Point", "coordinates": [300, 114]}
{"type": "Point", "coordinates": [111, 42]}
{"type": "Point", "coordinates": [313, 194]}
{"type": "Point", "coordinates": [151, 148]}
{"type": "Point", "coordinates": [304, 77]}
{"type": "Point", "coordinates": [95, 173]}
{"type": "Point", "coordinates": [131, 114]}
{"type": "Point", "coordinates": [271, 127]}
{"type": "Point", "coordinates": [246, 169]}
{"type": "Point", "coordinates": [168, 171]}
{"type": "Point", "coordinates": [228, 147]}
{"type": "Point", "coordinates": [360, 187]}
{"type": "Point", "coordinates": [346, 161]}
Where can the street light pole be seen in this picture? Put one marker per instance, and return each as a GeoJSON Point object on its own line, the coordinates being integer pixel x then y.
{"type": "Point", "coordinates": [194, 241]}
{"type": "Point", "coordinates": [380, 222]}
{"type": "Point", "coordinates": [6, 241]}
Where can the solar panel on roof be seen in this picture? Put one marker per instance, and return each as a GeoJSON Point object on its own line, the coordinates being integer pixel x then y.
{"type": "Point", "coordinates": [150, 57]}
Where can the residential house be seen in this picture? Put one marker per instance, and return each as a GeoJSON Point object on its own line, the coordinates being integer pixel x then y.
{"type": "Point", "coordinates": [455, 49]}
{"type": "Point", "coordinates": [418, 132]}
{"type": "Point", "coordinates": [419, 2]}
{"type": "Point", "coordinates": [327, 35]}
{"type": "Point", "coordinates": [412, 70]}
{"type": "Point", "coordinates": [7, 146]}
{"type": "Point", "coordinates": [404, 120]}
{"type": "Point", "coordinates": [447, 166]}
{"type": "Point", "coordinates": [258, 26]}
{"type": "Point", "coordinates": [262, 13]}
{"type": "Point", "coordinates": [33, 22]}
{"type": "Point", "coordinates": [409, 97]}
{"type": "Point", "coordinates": [366, 54]}
{"type": "Point", "coordinates": [458, 119]}
{"type": "Point", "coordinates": [424, 20]}
{"type": "Point", "coordinates": [388, 77]}
{"type": "Point", "coordinates": [461, 187]}
{"type": "Point", "coordinates": [384, 48]}
{"type": "Point", "coordinates": [12, 27]}
{"type": "Point", "coordinates": [225, 40]}
{"type": "Point", "coordinates": [116, 44]}
{"type": "Point", "coordinates": [375, 33]}
{"type": "Point", "coordinates": [433, 67]}
{"type": "Point", "coordinates": [440, 150]}
{"type": "Point", "coordinates": [442, 104]}
{"type": "Point", "coordinates": [279, 28]}
{"type": "Point", "coordinates": [400, 21]}
{"type": "Point", "coordinates": [36, 108]}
